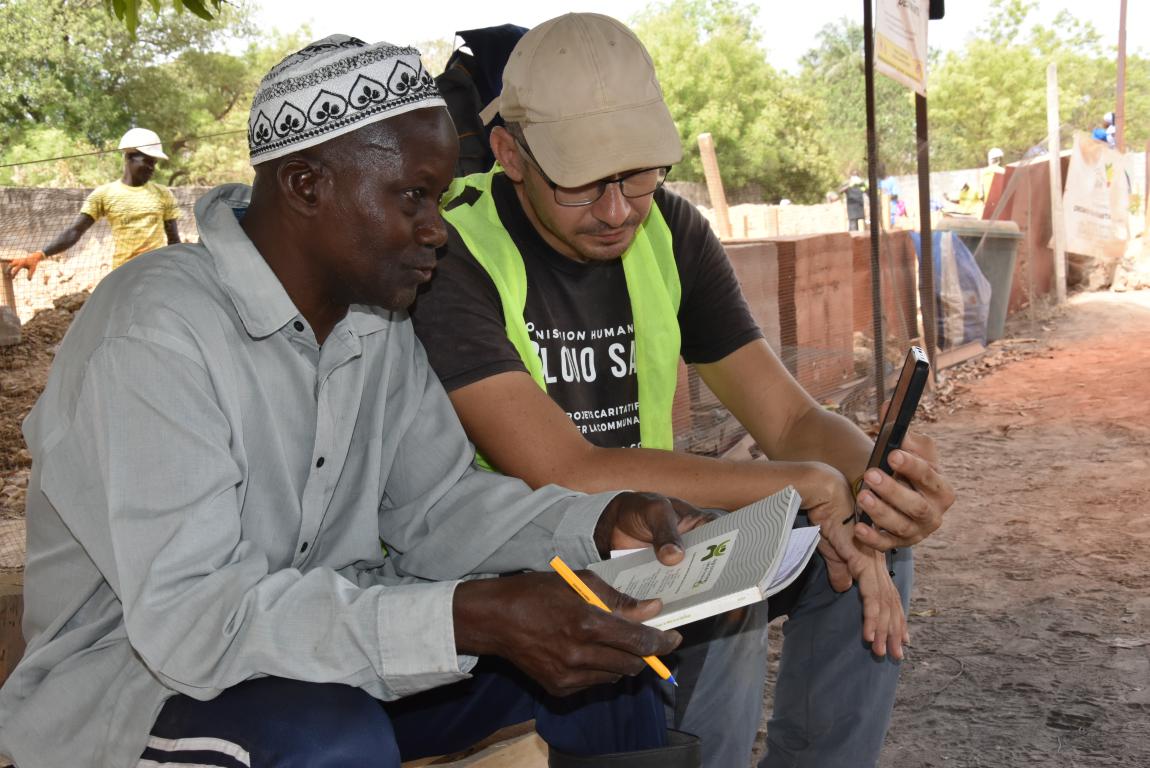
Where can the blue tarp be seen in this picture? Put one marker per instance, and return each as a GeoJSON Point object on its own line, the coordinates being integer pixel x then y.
{"type": "Point", "coordinates": [961, 291]}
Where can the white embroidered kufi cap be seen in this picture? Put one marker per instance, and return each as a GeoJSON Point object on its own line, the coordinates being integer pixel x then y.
{"type": "Point", "coordinates": [332, 87]}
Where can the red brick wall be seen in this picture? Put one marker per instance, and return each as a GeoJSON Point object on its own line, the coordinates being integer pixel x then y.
{"type": "Point", "coordinates": [898, 279]}
{"type": "Point", "coordinates": [816, 310]}
{"type": "Point", "coordinates": [801, 291]}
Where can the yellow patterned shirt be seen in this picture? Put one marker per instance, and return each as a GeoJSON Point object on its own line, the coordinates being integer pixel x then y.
{"type": "Point", "coordinates": [136, 215]}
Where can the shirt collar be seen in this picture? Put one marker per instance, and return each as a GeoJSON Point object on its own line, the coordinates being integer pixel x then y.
{"type": "Point", "coordinates": [259, 297]}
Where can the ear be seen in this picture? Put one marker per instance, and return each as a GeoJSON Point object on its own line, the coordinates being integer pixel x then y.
{"type": "Point", "coordinates": [302, 182]}
{"type": "Point", "coordinates": [507, 153]}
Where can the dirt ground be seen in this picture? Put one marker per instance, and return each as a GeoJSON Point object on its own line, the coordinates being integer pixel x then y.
{"type": "Point", "coordinates": [1030, 619]}
{"type": "Point", "coordinates": [23, 373]}
{"type": "Point", "coordinates": [1031, 612]}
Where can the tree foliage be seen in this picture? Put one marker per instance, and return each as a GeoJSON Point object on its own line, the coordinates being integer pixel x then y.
{"type": "Point", "coordinates": [993, 92]}
{"type": "Point", "coordinates": [833, 73]}
{"type": "Point", "coordinates": [75, 79]}
{"type": "Point", "coordinates": [990, 93]}
{"type": "Point", "coordinates": [716, 79]}
{"type": "Point", "coordinates": [78, 73]}
{"type": "Point", "coordinates": [128, 11]}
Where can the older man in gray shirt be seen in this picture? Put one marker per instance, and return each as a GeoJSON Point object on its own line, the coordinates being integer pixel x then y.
{"type": "Point", "coordinates": [252, 509]}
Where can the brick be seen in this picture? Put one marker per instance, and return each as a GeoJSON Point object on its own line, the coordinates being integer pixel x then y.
{"type": "Point", "coordinates": [815, 302]}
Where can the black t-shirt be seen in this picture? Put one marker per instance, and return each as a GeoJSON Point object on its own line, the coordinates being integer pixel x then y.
{"type": "Point", "coordinates": [579, 316]}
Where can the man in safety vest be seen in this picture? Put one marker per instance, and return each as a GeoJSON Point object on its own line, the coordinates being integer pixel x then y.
{"type": "Point", "coordinates": [571, 284]}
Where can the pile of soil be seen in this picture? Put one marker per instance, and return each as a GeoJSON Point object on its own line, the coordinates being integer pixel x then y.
{"type": "Point", "coordinates": [23, 373]}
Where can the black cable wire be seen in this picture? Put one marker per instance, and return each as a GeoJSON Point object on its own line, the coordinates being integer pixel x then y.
{"type": "Point", "coordinates": [106, 151]}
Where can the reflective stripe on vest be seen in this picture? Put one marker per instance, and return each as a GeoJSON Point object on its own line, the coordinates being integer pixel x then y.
{"type": "Point", "coordinates": [652, 284]}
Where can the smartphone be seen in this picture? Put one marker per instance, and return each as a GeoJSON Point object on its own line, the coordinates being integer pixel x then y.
{"type": "Point", "coordinates": [903, 404]}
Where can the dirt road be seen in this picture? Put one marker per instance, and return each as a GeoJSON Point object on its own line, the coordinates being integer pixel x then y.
{"type": "Point", "coordinates": [1031, 613]}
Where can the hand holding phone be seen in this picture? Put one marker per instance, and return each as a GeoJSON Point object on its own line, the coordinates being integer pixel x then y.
{"type": "Point", "coordinates": [903, 404]}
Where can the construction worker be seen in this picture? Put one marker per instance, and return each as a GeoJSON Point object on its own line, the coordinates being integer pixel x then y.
{"type": "Point", "coordinates": [142, 214]}
{"type": "Point", "coordinates": [986, 177]}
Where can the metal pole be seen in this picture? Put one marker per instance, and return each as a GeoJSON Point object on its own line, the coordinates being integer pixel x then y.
{"type": "Point", "coordinates": [926, 237]}
{"type": "Point", "coordinates": [1054, 154]}
{"type": "Point", "coordinates": [1120, 107]}
{"type": "Point", "coordinates": [875, 212]}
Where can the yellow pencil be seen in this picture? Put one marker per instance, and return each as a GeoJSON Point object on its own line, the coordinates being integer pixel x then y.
{"type": "Point", "coordinates": [585, 592]}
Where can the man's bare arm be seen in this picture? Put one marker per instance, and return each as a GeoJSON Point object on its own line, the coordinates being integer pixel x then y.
{"type": "Point", "coordinates": [788, 424]}
{"type": "Point", "coordinates": [65, 240]}
{"type": "Point", "coordinates": [539, 624]}
{"type": "Point", "coordinates": [526, 434]}
{"type": "Point", "coordinates": [70, 236]}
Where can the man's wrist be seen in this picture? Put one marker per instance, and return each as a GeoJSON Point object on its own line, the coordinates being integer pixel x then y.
{"type": "Point", "coordinates": [605, 527]}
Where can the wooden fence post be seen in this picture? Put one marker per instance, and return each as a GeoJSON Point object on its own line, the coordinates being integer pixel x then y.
{"type": "Point", "coordinates": [715, 185]}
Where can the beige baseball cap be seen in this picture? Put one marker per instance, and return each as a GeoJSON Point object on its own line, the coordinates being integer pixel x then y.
{"type": "Point", "coordinates": [584, 89]}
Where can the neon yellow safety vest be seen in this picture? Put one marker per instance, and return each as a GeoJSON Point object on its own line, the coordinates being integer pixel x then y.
{"type": "Point", "coordinates": [652, 283]}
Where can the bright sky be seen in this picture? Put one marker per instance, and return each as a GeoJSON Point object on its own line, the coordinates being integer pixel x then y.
{"type": "Point", "coordinates": [789, 28]}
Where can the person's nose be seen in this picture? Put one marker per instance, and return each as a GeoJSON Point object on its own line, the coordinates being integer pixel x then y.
{"type": "Point", "coordinates": [613, 208]}
{"type": "Point", "coordinates": [432, 231]}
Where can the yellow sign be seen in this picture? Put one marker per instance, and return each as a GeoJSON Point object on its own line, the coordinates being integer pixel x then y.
{"type": "Point", "coordinates": [900, 41]}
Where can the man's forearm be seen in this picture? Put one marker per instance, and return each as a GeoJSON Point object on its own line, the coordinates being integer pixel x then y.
{"type": "Point", "coordinates": [700, 480]}
{"type": "Point", "coordinates": [69, 236]}
{"type": "Point", "coordinates": [821, 435]}
{"type": "Point", "coordinates": [66, 240]}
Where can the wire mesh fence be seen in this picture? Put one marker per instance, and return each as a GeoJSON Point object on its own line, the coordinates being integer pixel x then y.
{"type": "Point", "coordinates": [812, 297]}
{"type": "Point", "coordinates": [33, 217]}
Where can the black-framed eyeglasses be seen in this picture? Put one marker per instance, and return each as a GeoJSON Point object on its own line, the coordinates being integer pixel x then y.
{"type": "Point", "coordinates": [635, 184]}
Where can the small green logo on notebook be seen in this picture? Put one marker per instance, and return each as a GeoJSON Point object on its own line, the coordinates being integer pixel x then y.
{"type": "Point", "coordinates": [715, 550]}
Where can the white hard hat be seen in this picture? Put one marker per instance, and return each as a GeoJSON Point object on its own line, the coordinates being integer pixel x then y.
{"type": "Point", "coordinates": [994, 154]}
{"type": "Point", "coordinates": [143, 140]}
{"type": "Point", "coordinates": [1108, 118]}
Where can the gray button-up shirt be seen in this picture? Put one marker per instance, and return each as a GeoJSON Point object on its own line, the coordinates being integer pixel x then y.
{"type": "Point", "coordinates": [215, 497]}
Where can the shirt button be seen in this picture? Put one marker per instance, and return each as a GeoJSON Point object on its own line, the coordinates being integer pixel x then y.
{"type": "Point", "coordinates": [304, 547]}
{"type": "Point", "coordinates": [319, 462]}
{"type": "Point", "coordinates": [297, 325]}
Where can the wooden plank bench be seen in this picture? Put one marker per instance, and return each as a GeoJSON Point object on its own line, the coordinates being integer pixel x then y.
{"type": "Point", "coordinates": [11, 638]}
{"type": "Point", "coordinates": [517, 746]}
{"type": "Point", "coordinates": [11, 613]}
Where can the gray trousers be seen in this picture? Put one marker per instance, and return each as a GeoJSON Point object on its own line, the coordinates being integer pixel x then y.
{"type": "Point", "coordinates": [833, 698]}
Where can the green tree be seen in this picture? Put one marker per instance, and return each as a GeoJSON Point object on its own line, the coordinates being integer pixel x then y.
{"type": "Point", "coordinates": [833, 74]}
{"type": "Point", "coordinates": [128, 11]}
{"type": "Point", "coordinates": [993, 92]}
{"type": "Point", "coordinates": [75, 80]}
{"type": "Point", "coordinates": [716, 79]}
